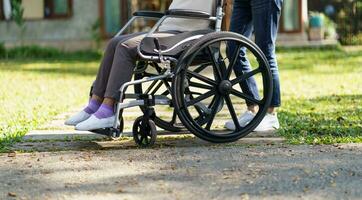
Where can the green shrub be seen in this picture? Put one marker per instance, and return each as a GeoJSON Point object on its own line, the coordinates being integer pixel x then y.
{"type": "Point", "coordinates": [348, 19]}
{"type": "Point", "coordinates": [2, 51]}
{"type": "Point", "coordinates": [33, 52]}
{"type": "Point", "coordinates": [351, 39]}
{"type": "Point", "coordinates": [36, 52]}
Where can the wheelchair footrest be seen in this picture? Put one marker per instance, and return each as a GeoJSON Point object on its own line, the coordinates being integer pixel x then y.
{"type": "Point", "coordinates": [110, 132]}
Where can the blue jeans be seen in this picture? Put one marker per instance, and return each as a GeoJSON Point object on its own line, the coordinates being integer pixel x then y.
{"type": "Point", "coordinates": [262, 17]}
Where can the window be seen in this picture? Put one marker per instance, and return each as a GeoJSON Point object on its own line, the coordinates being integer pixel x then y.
{"type": "Point", "coordinates": [291, 19]}
{"type": "Point", "coordinates": [114, 14]}
{"type": "Point", "coordinates": [57, 8]}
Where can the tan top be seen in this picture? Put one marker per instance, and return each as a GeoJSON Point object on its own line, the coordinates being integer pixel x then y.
{"type": "Point", "coordinates": [179, 24]}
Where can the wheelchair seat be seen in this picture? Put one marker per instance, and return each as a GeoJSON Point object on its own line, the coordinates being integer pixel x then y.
{"type": "Point", "coordinates": [172, 45]}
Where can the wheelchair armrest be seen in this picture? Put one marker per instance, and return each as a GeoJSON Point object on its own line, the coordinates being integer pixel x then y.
{"type": "Point", "coordinates": [154, 14]}
{"type": "Point", "coordinates": [188, 13]}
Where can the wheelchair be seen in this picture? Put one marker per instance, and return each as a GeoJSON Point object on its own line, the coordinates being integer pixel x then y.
{"type": "Point", "coordinates": [194, 74]}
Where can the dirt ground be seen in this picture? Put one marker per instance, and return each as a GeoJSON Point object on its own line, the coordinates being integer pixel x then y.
{"type": "Point", "coordinates": [183, 168]}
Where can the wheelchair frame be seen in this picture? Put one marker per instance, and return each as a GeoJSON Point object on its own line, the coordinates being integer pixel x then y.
{"type": "Point", "coordinates": [148, 101]}
{"type": "Point", "coordinates": [164, 60]}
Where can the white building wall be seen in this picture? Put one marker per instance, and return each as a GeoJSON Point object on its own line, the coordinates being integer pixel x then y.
{"type": "Point", "coordinates": [69, 33]}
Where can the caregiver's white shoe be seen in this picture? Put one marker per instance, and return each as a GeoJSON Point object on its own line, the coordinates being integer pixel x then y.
{"type": "Point", "coordinates": [269, 123]}
{"type": "Point", "coordinates": [93, 123]}
{"type": "Point", "coordinates": [244, 119]}
{"type": "Point", "coordinates": [77, 118]}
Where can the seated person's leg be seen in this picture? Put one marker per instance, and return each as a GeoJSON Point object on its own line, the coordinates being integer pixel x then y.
{"type": "Point", "coordinates": [121, 72]}
{"type": "Point", "coordinates": [101, 81]}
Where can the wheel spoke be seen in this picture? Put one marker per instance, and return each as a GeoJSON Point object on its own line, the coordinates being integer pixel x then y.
{"type": "Point", "coordinates": [194, 93]}
{"type": "Point", "coordinates": [232, 112]}
{"type": "Point", "coordinates": [232, 62]}
{"type": "Point", "coordinates": [151, 87]}
{"type": "Point", "coordinates": [213, 112]}
{"type": "Point", "coordinates": [201, 77]}
{"type": "Point", "coordinates": [199, 85]}
{"type": "Point", "coordinates": [200, 98]}
{"type": "Point", "coordinates": [147, 74]}
{"type": "Point", "coordinates": [246, 97]}
{"type": "Point", "coordinates": [156, 88]}
{"type": "Point", "coordinates": [165, 93]}
{"type": "Point", "coordinates": [215, 63]}
{"type": "Point", "coordinates": [157, 67]}
{"type": "Point", "coordinates": [202, 67]}
{"type": "Point", "coordinates": [167, 85]}
{"type": "Point", "coordinates": [245, 76]}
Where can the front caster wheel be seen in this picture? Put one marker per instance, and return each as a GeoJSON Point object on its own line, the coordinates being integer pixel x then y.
{"type": "Point", "coordinates": [144, 132]}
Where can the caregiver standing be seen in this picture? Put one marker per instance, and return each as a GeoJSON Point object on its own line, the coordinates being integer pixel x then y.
{"type": "Point", "coordinates": [260, 17]}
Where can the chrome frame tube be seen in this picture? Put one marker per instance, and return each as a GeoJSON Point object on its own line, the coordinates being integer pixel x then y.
{"type": "Point", "coordinates": [124, 87]}
{"type": "Point", "coordinates": [157, 25]}
{"type": "Point", "coordinates": [219, 17]}
{"type": "Point", "coordinates": [133, 103]}
{"type": "Point", "coordinates": [129, 23]}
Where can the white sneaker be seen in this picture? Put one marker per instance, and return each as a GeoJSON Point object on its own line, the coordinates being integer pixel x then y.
{"type": "Point", "coordinates": [77, 118]}
{"type": "Point", "coordinates": [93, 123]}
{"type": "Point", "coordinates": [244, 119]}
{"type": "Point", "coordinates": [269, 123]}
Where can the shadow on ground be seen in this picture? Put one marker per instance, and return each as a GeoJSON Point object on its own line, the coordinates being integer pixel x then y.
{"type": "Point", "coordinates": [222, 172]}
{"type": "Point", "coordinates": [88, 141]}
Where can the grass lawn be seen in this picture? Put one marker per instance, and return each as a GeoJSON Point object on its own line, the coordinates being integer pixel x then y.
{"type": "Point", "coordinates": [321, 93]}
{"type": "Point", "coordinates": [322, 96]}
{"type": "Point", "coordinates": [32, 92]}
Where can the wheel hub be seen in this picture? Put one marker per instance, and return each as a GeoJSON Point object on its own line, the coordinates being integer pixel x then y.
{"type": "Point", "coordinates": [225, 87]}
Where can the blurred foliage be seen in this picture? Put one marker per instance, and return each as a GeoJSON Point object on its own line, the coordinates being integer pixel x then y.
{"type": "Point", "coordinates": [36, 52]}
{"type": "Point", "coordinates": [96, 33]}
{"type": "Point", "coordinates": [2, 50]}
{"type": "Point", "coordinates": [347, 14]}
{"type": "Point", "coordinates": [17, 14]}
{"type": "Point", "coordinates": [329, 27]}
{"type": "Point", "coordinates": [349, 21]}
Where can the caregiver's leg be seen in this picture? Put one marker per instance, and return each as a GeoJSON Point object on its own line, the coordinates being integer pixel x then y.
{"type": "Point", "coordinates": [266, 15]}
{"type": "Point", "coordinates": [241, 22]}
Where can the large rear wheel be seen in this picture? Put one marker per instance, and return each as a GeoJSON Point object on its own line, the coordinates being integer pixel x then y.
{"type": "Point", "coordinates": [211, 74]}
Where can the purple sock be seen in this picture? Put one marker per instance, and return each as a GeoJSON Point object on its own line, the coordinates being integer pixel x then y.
{"type": "Point", "coordinates": [92, 107]}
{"type": "Point", "coordinates": [104, 111]}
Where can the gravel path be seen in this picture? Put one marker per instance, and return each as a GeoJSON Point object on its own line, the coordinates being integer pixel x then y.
{"type": "Point", "coordinates": [193, 171]}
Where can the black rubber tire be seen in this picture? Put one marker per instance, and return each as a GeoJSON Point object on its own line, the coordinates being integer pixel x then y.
{"type": "Point", "coordinates": [158, 121]}
{"type": "Point", "coordinates": [121, 124]}
{"type": "Point", "coordinates": [144, 138]}
{"type": "Point", "coordinates": [178, 87]}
